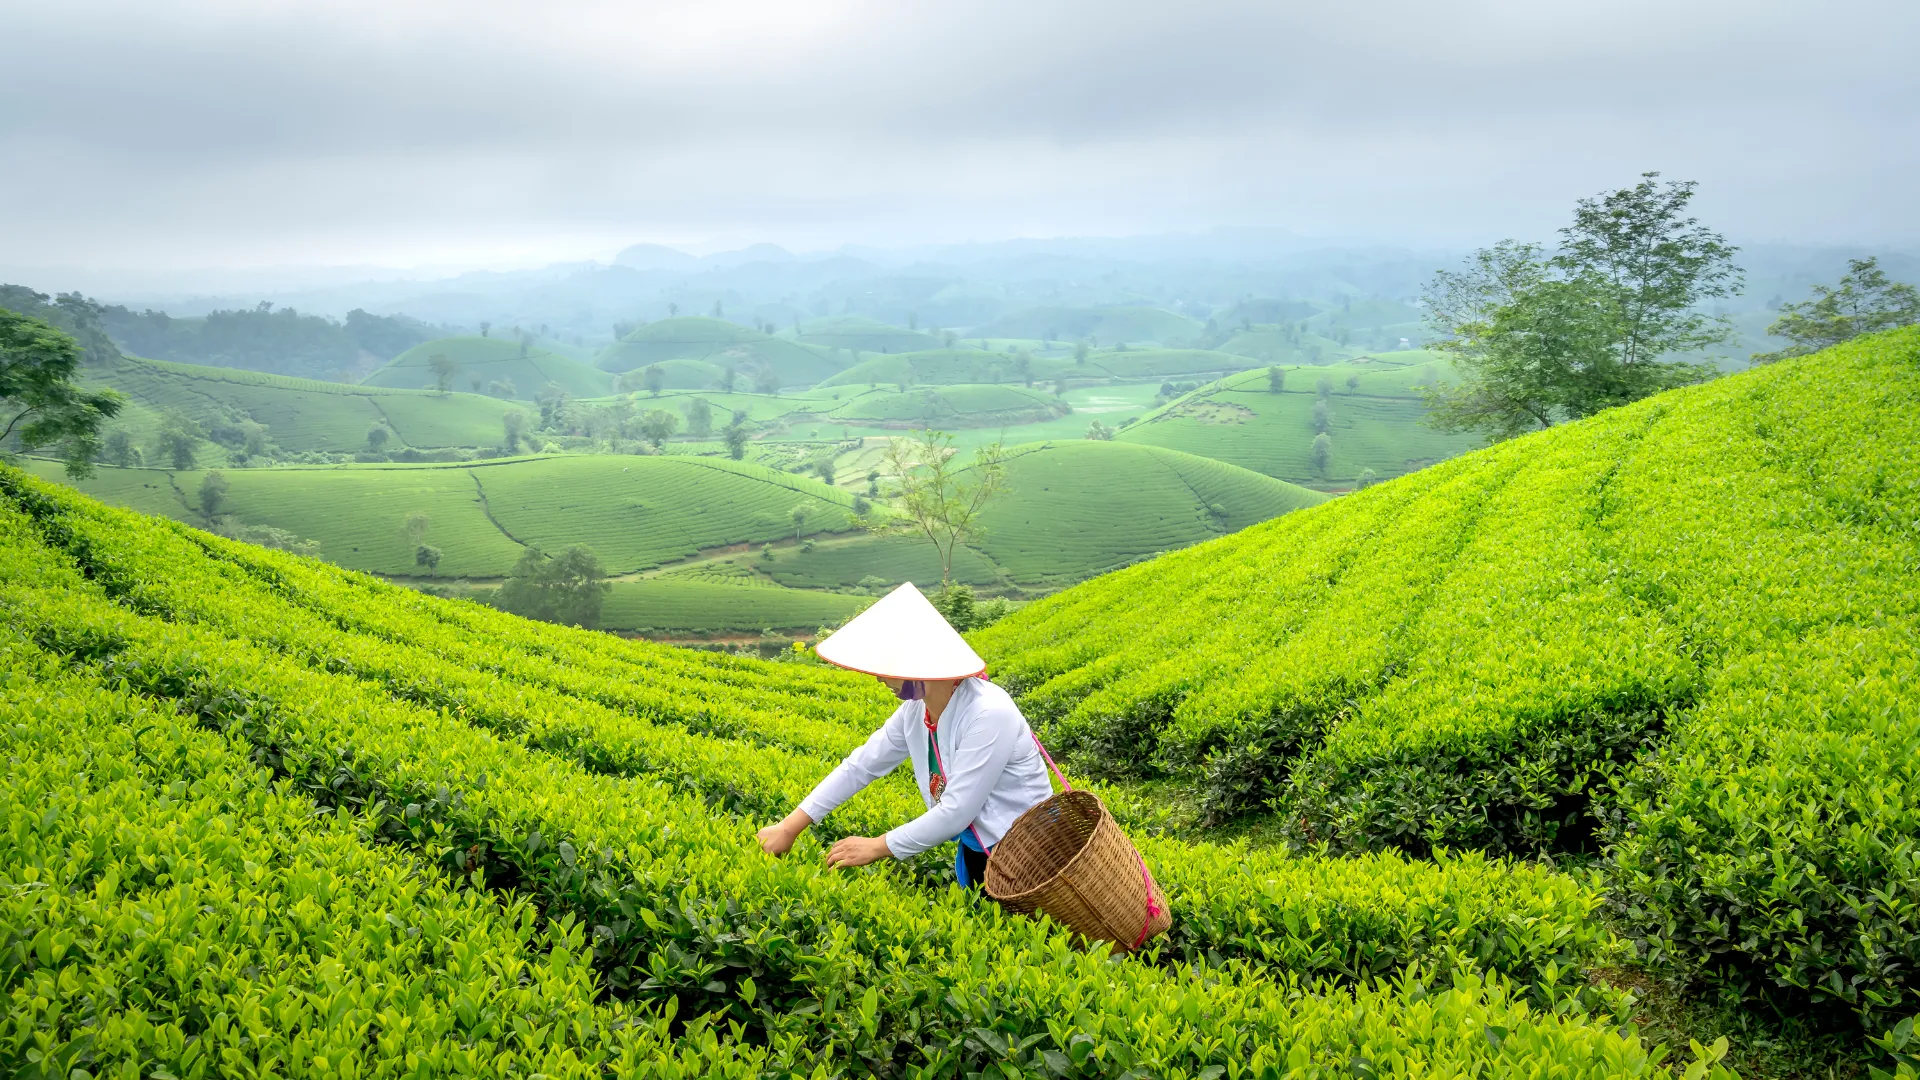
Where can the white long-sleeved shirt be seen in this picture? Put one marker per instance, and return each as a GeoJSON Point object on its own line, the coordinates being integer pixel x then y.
{"type": "Point", "coordinates": [994, 770]}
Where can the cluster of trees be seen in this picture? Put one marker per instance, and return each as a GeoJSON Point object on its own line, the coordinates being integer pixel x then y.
{"type": "Point", "coordinates": [1616, 314]}
{"type": "Point", "coordinates": [1540, 339]}
{"type": "Point", "coordinates": [263, 338]}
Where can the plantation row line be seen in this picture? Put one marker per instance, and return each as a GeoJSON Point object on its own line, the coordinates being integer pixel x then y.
{"type": "Point", "coordinates": [1672, 634]}
{"type": "Point", "coordinates": [802, 956]}
{"type": "Point", "coordinates": [165, 910]}
{"type": "Point", "coordinates": [1344, 918]}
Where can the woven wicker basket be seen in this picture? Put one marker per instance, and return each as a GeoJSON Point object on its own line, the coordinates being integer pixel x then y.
{"type": "Point", "coordinates": [1066, 858]}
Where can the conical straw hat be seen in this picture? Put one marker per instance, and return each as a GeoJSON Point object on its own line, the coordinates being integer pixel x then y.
{"type": "Point", "coordinates": [902, 637]}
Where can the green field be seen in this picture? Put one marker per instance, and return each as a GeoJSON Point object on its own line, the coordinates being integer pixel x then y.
{"type": "Point", "coordinates": [634, 512]}
{"type": "Point", "coordinates": [950, 406]}
{"type": "Point", "coordinates": [667, 605]}
{"type": "Point", "coordinates": [490, 366]}
{"type": "Point", "coordinates": [859, 334]}
{"type": "Point", "coordinates": [300, 414]}
{"type": "Point", "coordinates": [722, 344]}
{"type": "Point", "coordinates": [1375, 424]}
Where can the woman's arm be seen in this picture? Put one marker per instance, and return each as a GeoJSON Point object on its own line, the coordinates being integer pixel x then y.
{"type": "Point", "coordinates": [884, 750]}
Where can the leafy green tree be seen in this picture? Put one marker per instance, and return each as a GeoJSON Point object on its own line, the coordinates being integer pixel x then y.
{"type": "Point", "coordinates": [1542, 340]}
{"type": "Point", "coordinates": [1653, 266]}
{"type": "Point", "coordinates": [699, 418]}
{"type": "Point", "coordinates": [766, 382]}
{"type": "Point", "coordinates": [567, 589]}
{"type": "Point", "coordinates": [377, 435]}
{"type": "Point", "coordinates": [657, 426]}
{"type": "Point", "coordinates": [213, 493]}
{"type": "Point", "coordinates": [178, 441]}
{"type": "Point", "coordinates": [1353, 383]}
{"type": "Point", "coordinates": [119, 450]}
{"type": "Point", "coordinates": [736, 440]}
{"type": "Point", "coordinates": [443, 369]}
{"type": "Point", "coordinates": [1322, 454]}
{"type": "Point", "coordinates": [1276, 379]}
{"type": "Point", "coordinates": [1322, 416]}
{"type": "Point", "coordinates": [654, 379]}
{"type": "Point", "coordinates": [513, 430]}
{"type": "Point", "coordinates": [417, 525]}
{"type": "Point", "coordinates": [39, 400]}
{"type": "Point", "coordinates": [1865, 302]}
{"type": "Point", "coordinates": [955, 602]}
{"type": "Point", "coordinates": [824, 470]}
{"type": "Point", "coordinates": [1023, 366]}
{"type": "Point", "coordinates": [1099, 432]}
{"type": "Point", "coordinates": [484, 327]}
{"type": "Point", "coordinates": [941, 501]}
{"type": "Point", "coordinates": [555, 403]}
{"type": "Point", "coordinates": [427, 556]}
{"type": "Point", "coordinates": [728, 376]}
{"type": "Point", "coordinates": [801, 511]}
{"type": "Point", "coordinates": [1367, 479]}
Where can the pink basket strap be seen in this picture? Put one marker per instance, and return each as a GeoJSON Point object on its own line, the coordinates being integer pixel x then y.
{"type": "Point", "coordinates": [1153, 901]}
{"type": "Point", "coordinates": [1049, 760]}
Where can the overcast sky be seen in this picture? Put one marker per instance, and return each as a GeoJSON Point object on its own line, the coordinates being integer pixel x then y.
{"type": "Point", "coordinates": [193, 133]}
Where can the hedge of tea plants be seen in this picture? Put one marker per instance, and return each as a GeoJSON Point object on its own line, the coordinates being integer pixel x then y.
{"type": "Point", "coordinates": [1678, 635]}
{"type": "Point", "coordinates": [606, 833]}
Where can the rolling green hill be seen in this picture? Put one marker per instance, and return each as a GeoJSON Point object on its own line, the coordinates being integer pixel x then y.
{"type": "Point", "coordinates": [483, 362]}
{"type": "Point", "coordinates": [634, 512]}
{"type": "Point", "coordinates": [1106, 325]}
{"type": "Point", "coordinates": [1374, 423]}
{"type": "Point", "coordinates": [1070, 510]}
{"type": "Point", "coordinates": [951, 406]}
{"type": "Point", "coordinates": [943, 367]}
{"type": "Point", "coordinates": [1706, 598]}
{"type": "Point", "coordinates": [720, 343]}
{"type": "Point", "coordinates": [857, 333]}
{"type": "Point", "coordinates": [300, 414]}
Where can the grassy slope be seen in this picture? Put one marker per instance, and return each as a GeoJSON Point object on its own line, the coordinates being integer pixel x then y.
{"type": "Point", "coordinates": [857, 333]}
{"type": "Point", "coordinates": [939, 406]}
{"type": "Point", "coordinates": [670, 605]}
{"type": "Point", "coordinates": [300, 414]}
{"type": "Point", "coordinates": [635, 512]}
{"type": "Point", "coordinates": [944, 367]}
{"type": "Point", "coordinates": [1376, 425]}
{"type": "Point", "coordinates": [1463, 656]}
{"type": "Point", "coordinates": [1073, 509]}
{"type": "Point", "coordinates": [720, 343]}
{"type": "Point", "coordinates": [489, 360]}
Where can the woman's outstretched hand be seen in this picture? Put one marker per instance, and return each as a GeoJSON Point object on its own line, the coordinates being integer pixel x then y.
{"type": "Point", "coordinates": [851, 851]}
{"type": "Point", "coordinates": [777, 839]}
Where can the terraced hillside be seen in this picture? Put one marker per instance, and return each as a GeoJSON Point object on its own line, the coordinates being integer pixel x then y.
{"type": "Point", "coordinates": [1681, 635]}
{"type": "Point", "coordinates": [1370, 409]}
{"type": "Point", "coordinates": [404, 835]}
{"type": "Point", "coordinates": [1071, 510]}
{"type": "Point", "coordinates": [634, 512]}
{"type": "Point", "coordinates": [950, 406]}
{"type": "Point", "coordinates": [943, 367]}
{"type": "Point", "coordinates": [722, 344]}
{"type": "Point", "coordinates": [300, 414]}
{"type": "Point", "coordinates": [857, 333]}
{"type": "Point", "coordinates": [492, 366]}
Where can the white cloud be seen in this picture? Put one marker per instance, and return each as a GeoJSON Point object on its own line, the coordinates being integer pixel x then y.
{"type": "Point", "coordinates": [239, 132]}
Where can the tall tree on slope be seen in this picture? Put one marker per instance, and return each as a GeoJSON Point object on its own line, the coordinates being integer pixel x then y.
{"type": "Point", "coordinates": [1540, 340]}
{"type": "Point", "coordinates": [40, 405]}
{"type": "Point", "coordinates": [1866, 301]}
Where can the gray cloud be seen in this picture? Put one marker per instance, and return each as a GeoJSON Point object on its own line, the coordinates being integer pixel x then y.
{"type": "Point", "coordinates": [197, 133]}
